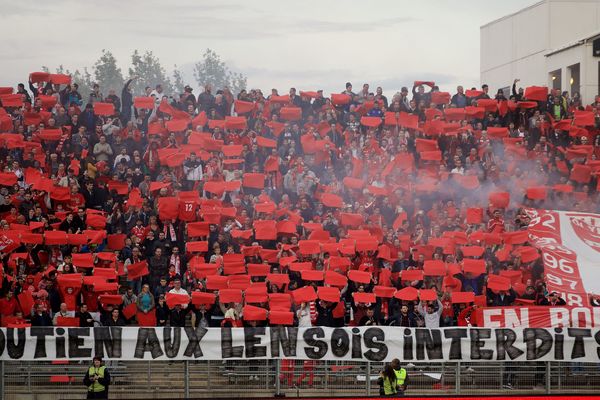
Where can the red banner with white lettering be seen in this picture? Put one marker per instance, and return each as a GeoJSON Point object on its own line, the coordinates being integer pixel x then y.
{"type": "Point", "coordinates": [570, 245]}
{"type": "Point", "coordinates": [539, 317]}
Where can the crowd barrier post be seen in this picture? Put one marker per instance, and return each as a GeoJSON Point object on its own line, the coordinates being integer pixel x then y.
{"type": "Point", "coordinates": [548, 382]}
{"type": "Point", "coordinates": [186, 379]}
{"type": "Point", "coordinates": [149, 376]}
{"type": "Point", "coordinates": [368, 378]}
{"type": "Point", "coordinates": [457, 378]}
{"type": "Point", "coordinates": [277, 378]}
{"type": "Point", "coordinates": [2, 379]}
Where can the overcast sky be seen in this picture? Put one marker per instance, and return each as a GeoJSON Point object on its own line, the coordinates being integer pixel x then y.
{"type": "Point", "coordinates": [307, 44]}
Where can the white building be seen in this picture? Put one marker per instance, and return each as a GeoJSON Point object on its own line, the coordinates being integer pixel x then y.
{"type": "Point", "coordinates": [550, 43]}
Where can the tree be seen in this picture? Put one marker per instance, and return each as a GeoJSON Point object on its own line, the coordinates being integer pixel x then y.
{"type": "Point", "coordinates": [212, 70]}
{"type": "Point", "coordinates": [178, 84]}
{"type": "Point", "coordinates": [150, 72]}
{"type": "Point", "coordinates": [107, 74]}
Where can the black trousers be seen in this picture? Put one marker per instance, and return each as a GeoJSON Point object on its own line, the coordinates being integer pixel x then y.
{"type": "Point", "coordinates": [98, 395]}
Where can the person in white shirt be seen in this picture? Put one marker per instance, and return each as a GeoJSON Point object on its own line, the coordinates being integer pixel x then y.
{"type": "Point", "coordinates": [177, 289]}
{"type": "Point", "coordinates": [458, 168]}
{"type": "Point", "coordinates": [158, 94]}
{"type": "Point", "coordinates": [430, 314]}
{"type": "Point", "coordinates": [122, 156]}
{"type": "Point", "coordinates": [63, 312]}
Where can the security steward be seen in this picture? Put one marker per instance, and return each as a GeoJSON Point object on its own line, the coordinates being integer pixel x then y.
{"type": "Point", "coordinates": [401, 376]}
{"type": "Point", "coordinates": [97, 380]}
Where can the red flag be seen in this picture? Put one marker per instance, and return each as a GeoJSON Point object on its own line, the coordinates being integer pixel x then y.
{"type": "Point", "coordinates": [67, 321]}
{"type": "Point", "coordinates": [463, 297]}
{"type": "Point", "coordinates": [384, 291]}
{"type": "Point", "coordinates": [277, 317]}
{"type": "Point", "coordinates": [408, 293]}
{"type": "Point", "coordinates": [278, 279]}
{"type": "Point", "coordinates": [243, 107]}
{"type": "Point", "coordinates": [499, 199]}
{"type": "Point", "coordinates": [290, 113]}
{"type": "Point", "coordinates": [440, 98]}
{"type": "Point", "coordinates": [304, 294]}
{"type": "Point", "coordinates": [230, 296]}
{"type": "Point", "coordinates": [252, 313]}
{"type": "Point", "coordinates": [497, 132]}
{"type": "Point", "coordinates": [581, 173]}
{"type": "Point", "coordinates": [536, 193]}
{"type": "Point", "coordinates": [536, 93]}
{"type": "Point", "coordinates": [200, 246]}
{"type": "Point", "coordinates": [200, 298]}
{"type": "Point", "coordinates": [146, 319]}
{"type": "Point", "coordinates": [331, 294]}
{"type": "Point", "coordinates": [348, 219]}
{"type": "Point", "coordinates": [584, 118]}
{"type": "Point", "coordinates": [265, 229]}
{"type": "Point", "coordinates": [411, 275]}
{"type": "Point", "coordinates": [474, 215]}
{"type": "Point", "coordinates": [434, 268]}
{"type": "Point", "coordinates": [26, 302]}
{"type": "Point", "coordinates": [130, 311]}
{"type": "Point", "coordinates": [137, 270]}
{"type": "Point", "coordinates": [83, 260]}
{"type": "Point", "coordinates": [360, 276]}
{"type": "Point", "coordinates": [308, 247]}
{"type": "Point", "coordinates": [107, 109]}
{"type": "Point", "coordinates": [428, 295]}
{"type": "Point", "coordinates": [168, 208]}
{"type": "Point", "coordinates": [311, 275]}
{"type": "Point", "coordinates": [475, 267]}
{"type": "Point", "coordinates": [116, 241]}
{"type": "Point", "coordinates": [198, 229]}
{"type": "Point", "coordinates": [174, 299]}
{"type": "Point", "coordinates": [253, 180]}
{"type": "Point", "coordinates": [235, 122]}
{"type": "Point", "coordinates": [371, 122]}
{"type": "Point", "coordinates": [340, 99]}
{"type": "Point", "coordinates": [426, 145]}
{"type": "Point", "coordinates": [216, 282]}
{"type": "Point", "coordinates": [112, 299]}
{"type": "Point", "coordinates": [37, 77]}
{"type": "Point", "coordinates": [55, 238]}
{"type": "Point", "coordinates": [410, 121]}
{"type": "Point", "coordinates": [60, 79]}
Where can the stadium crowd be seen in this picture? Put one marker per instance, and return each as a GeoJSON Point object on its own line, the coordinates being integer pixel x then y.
{"type": "Point", "coordinates": [245, 209]}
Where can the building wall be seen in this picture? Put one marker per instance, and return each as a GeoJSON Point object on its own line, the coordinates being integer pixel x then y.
{"type": "Point", "coordinates": [516, 46]}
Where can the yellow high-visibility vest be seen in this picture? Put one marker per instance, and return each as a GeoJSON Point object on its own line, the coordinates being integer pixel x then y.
{"type": "Point", "coordinates": [96, 386]}
{"type": "Point", "coordinates": [400, 376]}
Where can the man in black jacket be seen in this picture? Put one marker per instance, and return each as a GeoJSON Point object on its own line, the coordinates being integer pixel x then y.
{"type": "Point", "coordinates": [41, 317]}
{"type": "Point", "coordinates": [97, 380]}
{"type": "Point", "coordinates": [126, 101]}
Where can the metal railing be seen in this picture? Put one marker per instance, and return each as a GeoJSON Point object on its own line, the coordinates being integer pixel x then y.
{"type": "Point", "coordinates": [265, 378]}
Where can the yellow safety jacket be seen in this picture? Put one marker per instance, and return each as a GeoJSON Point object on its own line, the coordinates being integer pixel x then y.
{"type": "Point", "coordinates": [400, 376]}
{"type": "Point", "coordinates": [389, 387]}
{"type": "Point", "coordinates": [96, 386]}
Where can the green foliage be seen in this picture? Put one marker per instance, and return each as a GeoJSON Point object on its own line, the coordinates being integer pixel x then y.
{"type": "Point", "coordinates": [213, 71]}
{"type": "Point", "coordinates": [107, 74]}
{"type": "Point", "coordinates": [147, 67]}
{"type": "Point", "coordinates": [149, 71]}
{"type": "Point", "coordinates": [178, 83]}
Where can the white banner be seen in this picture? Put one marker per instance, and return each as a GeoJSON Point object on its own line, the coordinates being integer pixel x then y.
{"type": "Point", "coordinates": [316, 343]}
{"type": "Point", "coordinates": [570, 244]}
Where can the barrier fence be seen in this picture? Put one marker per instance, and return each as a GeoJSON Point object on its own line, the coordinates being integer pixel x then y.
{"type": "Point", "coordinates": [292, 378]}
